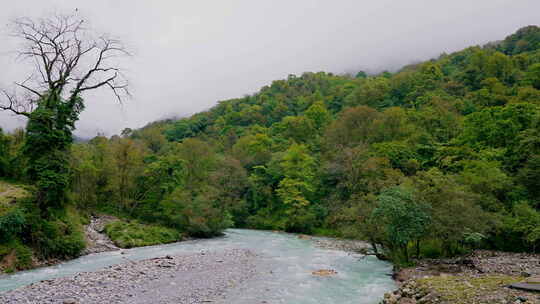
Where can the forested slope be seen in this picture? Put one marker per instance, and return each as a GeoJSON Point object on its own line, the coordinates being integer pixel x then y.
{"type": "Point", "coordinates": [432, 160]}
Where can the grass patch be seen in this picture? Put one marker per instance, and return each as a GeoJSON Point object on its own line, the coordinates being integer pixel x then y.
{"type": "Point", "coordinates": [463, 290]}
{"type": "Point", "coordinates": [9, 195]}
{"type": "Point", "coordinates": [134, 234]}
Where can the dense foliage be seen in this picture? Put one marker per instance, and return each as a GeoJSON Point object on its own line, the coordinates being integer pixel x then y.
{"type": "Point", "coordinates": [432, 160]}
{"type": "Point", "coordinates": [134, 234]}
{"type": "Point", "coordinates": [46, 147]}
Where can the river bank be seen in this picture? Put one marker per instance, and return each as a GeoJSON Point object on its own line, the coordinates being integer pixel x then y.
{"type": "Point", "coordinates": [481, 277]}
{"type": "Point", "coordinates": [97, 240]}
{"type": "Point", "coordinates": [95, 236]}
{"type": "Point", "coordinates": [194, 278]}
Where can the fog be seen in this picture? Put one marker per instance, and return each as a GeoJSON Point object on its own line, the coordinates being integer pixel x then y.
{"type": "Point", "coordinates": [190, 54]}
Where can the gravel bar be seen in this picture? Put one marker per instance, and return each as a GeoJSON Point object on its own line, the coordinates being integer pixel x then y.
{"type": "Point", "coordinates": [194, 278]}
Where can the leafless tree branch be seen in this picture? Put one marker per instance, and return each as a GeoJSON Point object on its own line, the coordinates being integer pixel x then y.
{"type": "Point", "coordinates": [13, 104]}
{"type": "Point", "coordinates": [69, 60]}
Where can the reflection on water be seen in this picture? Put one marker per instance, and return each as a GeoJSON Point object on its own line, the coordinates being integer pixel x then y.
{"type": "Point", "coordinates": [286, 277]}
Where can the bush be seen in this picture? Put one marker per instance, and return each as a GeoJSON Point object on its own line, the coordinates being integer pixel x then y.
{"type": "Point", "coordinates": [196, 212]}
{"type": "Point", "coordinates": [431, 249]}
{"type": "Point", "coordinates": [59, 237]}
{"type": "Point", "coordinates": [134, 234]}
{"type": "Point", "coordinates": [262, 220]}
{"type": "Point", "coordinates": [11, 224]}
{"type": "Point", "coordinates": [524, 225]}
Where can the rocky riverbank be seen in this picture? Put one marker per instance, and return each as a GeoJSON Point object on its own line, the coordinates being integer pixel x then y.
{"type": "Point", "coordinates": [352, 246]}
{"type": "Point", "coordinates": [481, 277]}
{"type": "Point", "coordinates": [194, 278]}
{"type": "Point", "coordinates": [96, 239]}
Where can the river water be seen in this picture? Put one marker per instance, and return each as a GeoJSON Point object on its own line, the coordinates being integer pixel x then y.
{"type": "Point", "coordinates": [359, 280]}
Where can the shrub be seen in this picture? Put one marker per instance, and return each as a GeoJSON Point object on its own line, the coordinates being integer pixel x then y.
{"type": "Point", "coordinates": [11, 224]}
{"type": "Point", "coordinates": [134, 234]}
{"type": "Point", "coordinates": [59, 237]}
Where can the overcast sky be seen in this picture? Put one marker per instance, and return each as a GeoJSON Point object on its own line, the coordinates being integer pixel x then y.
{"type": "Point", "coordinates": [190, 54]}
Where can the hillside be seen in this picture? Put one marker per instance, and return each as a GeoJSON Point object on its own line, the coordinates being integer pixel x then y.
{"type": "Point", "coordinates": [434, 160]}
{"type": "Point", "coordinates": [456, 136]}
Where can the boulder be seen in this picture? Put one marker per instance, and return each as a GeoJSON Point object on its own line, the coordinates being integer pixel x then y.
{"type": "Point", "coordinates": [324, 272]}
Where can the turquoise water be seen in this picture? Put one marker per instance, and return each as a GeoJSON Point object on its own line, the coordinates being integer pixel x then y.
{"type": "Point", "coordinates": [285, 275]}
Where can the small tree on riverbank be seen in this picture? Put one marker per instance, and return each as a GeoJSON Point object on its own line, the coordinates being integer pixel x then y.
{"type": "Point", "coordinates": [404, 219]}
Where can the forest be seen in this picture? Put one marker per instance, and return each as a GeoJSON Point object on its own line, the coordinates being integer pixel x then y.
{"type": "Point", "coordinates": [432, 160]}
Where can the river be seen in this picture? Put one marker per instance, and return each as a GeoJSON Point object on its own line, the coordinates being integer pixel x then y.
{"type": "Point", "coordinates": [291, 260]}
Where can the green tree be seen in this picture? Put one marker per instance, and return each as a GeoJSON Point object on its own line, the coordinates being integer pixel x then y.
{"type": "Point", "coordinates": [526, 222]}
{"type": "Point", "coordinates": [253, 150]}
{"type": "Point", "coordinates": [373, 92]}
{"type": "Point", "coordinates": [533, 76]}
{"type": "Point", "coordinates": [361, 74]}
{"type": "Point", "coordinates": [392, 124]}
{"type": "Point", "coordinates": [194, 211]}
{"type": "Point", "coordinates": [455, 210]}
{"type": "Point", "coordinates": [488, 180]}
{"type": "Point", "coordinates": [529, 176]}
{"type": "Point", "coordinates": [524, 40]}
{"type": "Point", "coordinates": [352, 127]}
{"type": "Point", "coordinates": [300, 129]}
{"type": "Point", "coordinates": [320, 116]}
{"type": "Point", "coordinates": [296, 188]}
{"type": "Point", "coordinates": [231, 180]}
{"type": "Point", "coordinates": [404, 219]}
{"type": "Point", "coordinates": [85, 176]}
{"type": "Point", "coordinates": [152, 137]}
{"type": "Point", "coordinates": [127, 167]}
{"type": "Point", "coordinates": [497, 126]}
{"type": "Point", "coordinates": [199, 160]}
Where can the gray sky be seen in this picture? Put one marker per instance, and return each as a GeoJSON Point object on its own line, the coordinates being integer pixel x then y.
{"type": "Point", "coordinates": [190, 54]}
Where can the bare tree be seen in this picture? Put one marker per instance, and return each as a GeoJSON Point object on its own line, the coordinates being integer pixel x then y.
{"type": "Point", "coordinates": [68, 60]}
